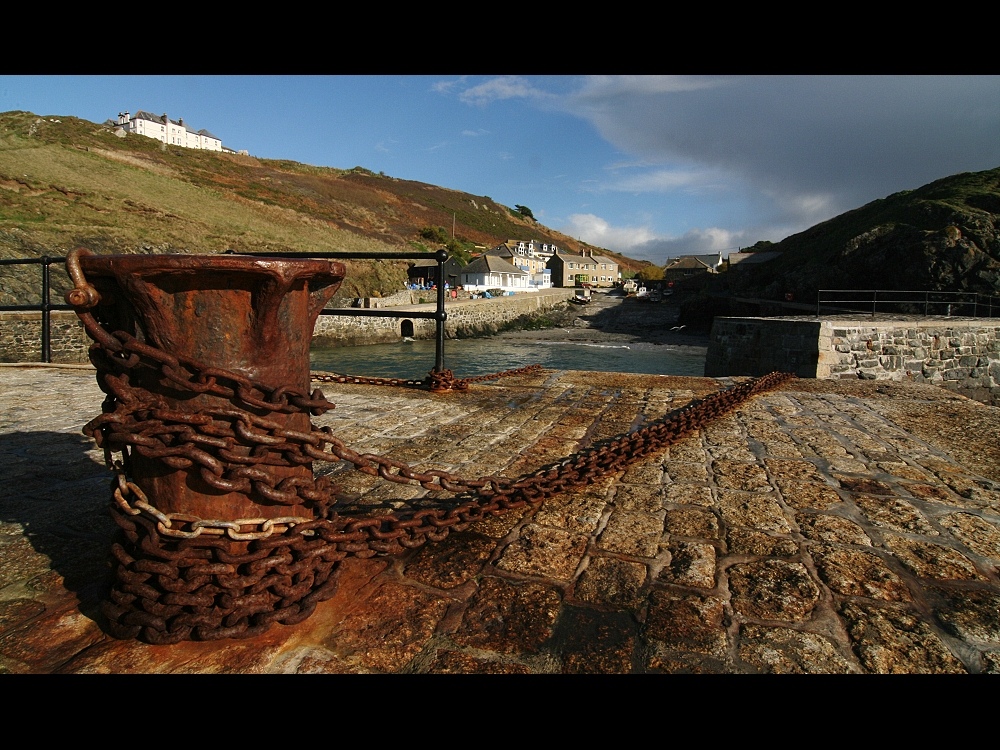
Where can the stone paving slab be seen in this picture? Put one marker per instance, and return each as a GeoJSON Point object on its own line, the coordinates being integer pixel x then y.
{"type": "Point", "coordinates": [824, 527]}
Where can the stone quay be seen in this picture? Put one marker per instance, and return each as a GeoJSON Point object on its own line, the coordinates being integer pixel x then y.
{"type": "Point", "coordinates": [827, 526]}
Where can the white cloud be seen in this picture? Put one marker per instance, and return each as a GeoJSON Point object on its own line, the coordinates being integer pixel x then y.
{"type": "Point", "coordinates": [596, 231]}
{"type": "Point", "coordinates": [746, 158]}
{"type": "Point", "coordinates": [445, 87]}
{"type": "Point", "coordinates": [803, 210]}
{"type": "Point", "coordinates": [504, 87]}
{"type": "Point", "coordinates": [694, 242]}
{"type": "Point", "coordinates": [816, 146]}
{"type": "Point", "coordinates": [662, 181]}
{"type": "Point", "coordinates": [604, 86]}
{"type": "Point", "coordinates": [642, 243]}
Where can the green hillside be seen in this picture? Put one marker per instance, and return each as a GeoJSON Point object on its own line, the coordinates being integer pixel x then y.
{"type": "Point", "coordinates": [67, 182]}
{"type": "Point", "coordinates": [944, 236]}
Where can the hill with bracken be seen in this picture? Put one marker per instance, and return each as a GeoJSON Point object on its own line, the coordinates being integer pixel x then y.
{"type": "Point", "coordinates": [944, 236]}
{"type": "Point", "coordinates": [67, 182]}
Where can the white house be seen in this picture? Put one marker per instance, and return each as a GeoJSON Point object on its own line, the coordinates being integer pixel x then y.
{"type": "Point", "coordinates": [491, 272]}
{"type": "Point", "coordinates": [540, 277]}
{"type": "Point", "coordinates": [165, 130]}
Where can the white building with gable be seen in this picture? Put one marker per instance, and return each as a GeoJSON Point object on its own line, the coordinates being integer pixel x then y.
{"type": "Point", "coordinates": [165, 130]}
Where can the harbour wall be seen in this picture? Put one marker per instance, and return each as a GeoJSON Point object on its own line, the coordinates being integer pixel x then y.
{"type": "Point", "coordinates": [958, 353]}
{"type": "Point", "coordinates": [467, 318]}
{"type": "Point", "coordinates": [21, 332]}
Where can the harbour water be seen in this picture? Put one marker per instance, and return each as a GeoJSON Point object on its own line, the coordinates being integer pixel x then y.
{"type": "Point", "coordinates": [483, 356]}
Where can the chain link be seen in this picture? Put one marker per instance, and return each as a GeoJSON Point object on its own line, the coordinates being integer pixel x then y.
{"type": "Point", "coordinates": [180, 577]}
{"type": "Point", "coordinates": [436, 380]}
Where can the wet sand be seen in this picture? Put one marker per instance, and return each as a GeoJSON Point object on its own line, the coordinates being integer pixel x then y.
{"type": "Point", "coordinates": [612, 318]}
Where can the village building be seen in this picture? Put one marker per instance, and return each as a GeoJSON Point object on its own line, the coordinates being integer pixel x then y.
{"type": "Point", "coordinates": [424, 272]}
{"type": "Point", "coordinates": [532, 248]}
{"type": "Point", "coordinates": [490, 272]}
{"type": "Point", "coordinates": [165, 130]}
{"type": "Point", "coordinates": [712, 260]}
{"type": "Point", "coordinates": [576, 270]}
{"type": "Point", "coordinates": [687, 266]}
{"type": "Point", "coordinates": [534, 264]}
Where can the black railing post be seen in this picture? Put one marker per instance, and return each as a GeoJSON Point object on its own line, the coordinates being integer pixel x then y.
{"type": "Point", "coordinates": [45, 305]}
{"type": "Point", "coordinates": [440, 316]}
{"type": "Point", "coordinates": [46, 338]}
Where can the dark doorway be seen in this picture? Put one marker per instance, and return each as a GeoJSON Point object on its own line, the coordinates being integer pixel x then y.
{"type": "Point", "coordinates": [406, 329]}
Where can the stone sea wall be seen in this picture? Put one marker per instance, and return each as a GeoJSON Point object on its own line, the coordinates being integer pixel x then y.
{"type": "Point", "coordinates": [959, 353]}
{"type": "Point", "coordinates": [466, 318]}
{"type": "Point", "coordinates": [21, 337]}
{"type": "Point", "coordinates": [21, 332]}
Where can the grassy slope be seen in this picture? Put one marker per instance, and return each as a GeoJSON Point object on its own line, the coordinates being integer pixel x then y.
{"type": "Point", "coordinates": [66, 182]}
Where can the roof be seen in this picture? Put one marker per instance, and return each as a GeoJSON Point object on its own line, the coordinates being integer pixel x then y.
{"type": "Point", "coordinates": [571, 256]}
{"type": "Point", "coordinates": [491, 264]}
{"type": "Point", "coordinates": [501, 251]}
{"type": "Point", "coordinates": [712, 260]}
{"type": "Point", "coordinates": [687, 261]}
{"type": "Point", "coordinates": [143, 115]}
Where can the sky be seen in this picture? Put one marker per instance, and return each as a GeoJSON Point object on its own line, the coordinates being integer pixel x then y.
{"type": "Point", "coordinates": [649, 166]}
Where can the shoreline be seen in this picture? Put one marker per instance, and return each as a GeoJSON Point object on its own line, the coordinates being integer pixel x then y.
{"type": "Point", "coordinates": [687, 343]}
{"type": "Point", "coordinates": [611, 318]}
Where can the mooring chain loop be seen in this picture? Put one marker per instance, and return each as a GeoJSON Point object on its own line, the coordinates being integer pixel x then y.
{"type": "Point", "coordinates": [179, 577]}
{"type": "Point", "coordinates": [487, 495]}
{"type": "Point", "coordinates": [214, 448]}
{"type": "Point", "coordinates": [436, 380]}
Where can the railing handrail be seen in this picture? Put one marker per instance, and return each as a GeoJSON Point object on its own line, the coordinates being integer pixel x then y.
{"type": "Point", "coordinates": [46, 306]}
{"type": "Point", "coordinates": [438, 315]}
{"type": "Point", "coordinates": [873, 297]}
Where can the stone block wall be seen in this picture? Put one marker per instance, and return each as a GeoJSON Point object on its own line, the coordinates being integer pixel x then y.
{"type": "Point", "coordinates": [21, 337]}
{"type": "Point", "coordinates": [466, 318]}
{"type": "Point", "coordinates": [757, 346]}
{"type": "Point", "coordinates": [963, 353]}
{"type": "Point", "coordinates": [960, 353]}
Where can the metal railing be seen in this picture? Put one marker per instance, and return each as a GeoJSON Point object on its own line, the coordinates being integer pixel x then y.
{"type": "Point", "coordinates": [873, 301]}
{"type": "Point", "coordinates": [46, 306]}
{"type": "Point", "coordinates": [438, 315]}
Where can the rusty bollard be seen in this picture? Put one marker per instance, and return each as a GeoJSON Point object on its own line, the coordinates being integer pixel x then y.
{"type": "Point", "coordinates": [204, 361]}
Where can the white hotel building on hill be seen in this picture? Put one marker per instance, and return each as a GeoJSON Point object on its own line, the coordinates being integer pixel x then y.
{"type": "Point", "coordinates": [163, 129]}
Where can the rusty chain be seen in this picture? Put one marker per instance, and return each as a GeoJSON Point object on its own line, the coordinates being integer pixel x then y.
{"type": "Point", "coordinates": [436, 380]}
{"type": "Point", "coordinates": [179, 577]}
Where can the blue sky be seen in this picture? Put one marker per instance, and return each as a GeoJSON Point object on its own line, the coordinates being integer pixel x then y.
{"type": "Point", "coordinates": [649, 166]}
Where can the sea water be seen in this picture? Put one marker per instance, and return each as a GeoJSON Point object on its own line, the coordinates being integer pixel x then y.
{"type": "Point", "coordinates": [484, 356]}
